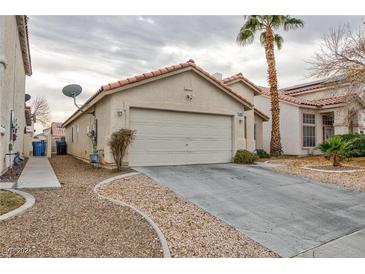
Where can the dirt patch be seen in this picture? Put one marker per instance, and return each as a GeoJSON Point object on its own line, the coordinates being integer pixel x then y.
{"type": "Point", "coordinates": [9, 201]}
{"type": "Point", "coordinates": [352, 181]}
{"type": "Point", "coordinates": [12, 174]}
{"type": "Point", "coordinates": [73, 222]}
{"type": "Point", "coordinates": [189, 230]}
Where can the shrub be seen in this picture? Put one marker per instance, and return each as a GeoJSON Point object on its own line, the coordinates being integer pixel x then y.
{"type": "Point", "coordinates": [262, 153]}
{"type": "Point", "coordinates": [245, 157]}
{"type": "Point", "coordinates": [336, 148]}
{"type": "Point", "coordinates": [357, 147]}
{"type": "Point", "coordinates": [118, 143]}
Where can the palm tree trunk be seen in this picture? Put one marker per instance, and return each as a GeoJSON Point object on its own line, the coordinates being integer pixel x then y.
{"type": "Point", "coordinates": [275, 144]}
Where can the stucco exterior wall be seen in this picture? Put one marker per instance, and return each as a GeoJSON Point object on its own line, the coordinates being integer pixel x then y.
{"type": "Point", "coordinates": [243, 90]}
{"type": "Point", "coordinates": [81, 145]}
{"type": "Point", "coordinates": [289, 126]}
{"type": "Point", "coordinates": [12, 89]}
{"type": "Point", "coordinates": [168, 93]}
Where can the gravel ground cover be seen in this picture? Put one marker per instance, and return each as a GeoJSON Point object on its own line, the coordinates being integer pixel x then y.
{"type": "Point", "coordinates": [9, 201]}
{"type": "Point", "coordinates": [12, 174]}
{"type": "Point", "coordinates": [189, 230]}
{"type": "Point", "coordinates": [353, 181]}
{"type": "Point", "coordinates": [73, 222]}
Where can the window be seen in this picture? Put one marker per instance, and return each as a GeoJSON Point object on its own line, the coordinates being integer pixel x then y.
{"type": "Point", "coordinates": [72, 134]}
{"type": "Point", "coordinates": [309, 130]}
{"type": "Point", "coordinates": [327, 122]}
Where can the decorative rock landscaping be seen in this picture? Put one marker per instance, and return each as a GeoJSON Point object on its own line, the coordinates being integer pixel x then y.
{"type": "Point", "coordinates": [189, 230]}
{"type": "Point", "coordinates": [72, 222]}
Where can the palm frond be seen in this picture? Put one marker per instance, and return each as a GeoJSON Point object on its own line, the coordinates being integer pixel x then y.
{"type": "Point", "coordinates": [292, 23]}
{"type": "Point", "coordinates": [278, 40]}
{"type": "Point", "coordinates": [245, 37]}
{"type": "Point", "coordinates": [263, 37]}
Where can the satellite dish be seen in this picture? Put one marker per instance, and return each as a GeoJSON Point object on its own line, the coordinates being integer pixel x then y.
{"type": "Point", "coordinates": [72, 90]}
{"type": "Point", "coordinates": [27, 97]}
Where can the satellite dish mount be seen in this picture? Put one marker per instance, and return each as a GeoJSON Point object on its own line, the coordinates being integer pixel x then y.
{"type": "Point", "coordinates": [73, 91]}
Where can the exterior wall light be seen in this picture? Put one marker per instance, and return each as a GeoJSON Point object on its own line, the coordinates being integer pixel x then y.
{"type": "Point", "coordinates": [120, 112]}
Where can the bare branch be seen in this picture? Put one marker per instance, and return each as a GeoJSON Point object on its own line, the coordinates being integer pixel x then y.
{"type": "Point", "coordinates": [40, 111]}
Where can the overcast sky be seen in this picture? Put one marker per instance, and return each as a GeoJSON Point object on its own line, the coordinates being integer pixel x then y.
{"type": "Point", "coordinates": [95, 50]}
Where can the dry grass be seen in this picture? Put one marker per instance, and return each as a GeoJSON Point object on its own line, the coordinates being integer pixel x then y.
{"type": "Point", "coordinates": [73, 222]}
{"type": "Point", "coordinates": [353, 181]}
{"type": "Point", "coordinates": [189, 230]}
{"type": "Point", "coordinates": [9, 201]}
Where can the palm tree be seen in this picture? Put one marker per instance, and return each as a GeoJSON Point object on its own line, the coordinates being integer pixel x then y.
{"type": "Point", "coordinates": [267, 24]}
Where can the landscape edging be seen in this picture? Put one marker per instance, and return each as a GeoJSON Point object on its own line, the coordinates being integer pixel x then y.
{"type": "Point", "coordinates": [164, 244]}
{"type": "Point", "coordinates": [29, 202]}
{"type": "Point", "coordinates": [333, 171]}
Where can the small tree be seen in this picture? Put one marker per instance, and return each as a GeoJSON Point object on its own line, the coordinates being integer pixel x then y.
{"type": "Point", "coordinates": [341, 57]}
{"type": "Point", "coordinates": [335, 148]}
{"type": "Point", "coordinates": [40, 111]}
{"type": "Point", "coordinates": [119, 142]}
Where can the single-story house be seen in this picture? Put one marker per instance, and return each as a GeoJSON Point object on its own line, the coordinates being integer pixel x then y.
{"type": "Point", "coordinates": [15, 65]}
{"type": "Point", "coordinates": [181, 115]}
{"type": "Point", "coordinates": [311, 113]}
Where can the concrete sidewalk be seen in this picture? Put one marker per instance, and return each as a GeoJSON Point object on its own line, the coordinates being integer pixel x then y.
{"type": "Point", "coordinates": [38, 173]}
{"type": "Point", "coordinates": [349, 246]}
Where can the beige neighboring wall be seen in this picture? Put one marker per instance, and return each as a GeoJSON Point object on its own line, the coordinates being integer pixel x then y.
{"type": "Point", "coordinates": [168, 93]}
{"type": "Point", "coordinates": [243, 90]}
{"type": "Point", "coordinates": [289, 125]}
{"type": "Point", "coordinates": [259, 123]}
{"type": "Point", "coordinates": [12, 88]}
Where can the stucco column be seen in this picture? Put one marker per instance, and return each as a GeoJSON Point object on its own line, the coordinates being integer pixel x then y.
{"type": "Point", "coordinates": [250, 120]}
{"type": "Point", "coordinates": [340, 121]}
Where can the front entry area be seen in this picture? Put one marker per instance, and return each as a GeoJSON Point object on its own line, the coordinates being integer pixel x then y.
{"type": "Point", "coordinates": [175, 138]}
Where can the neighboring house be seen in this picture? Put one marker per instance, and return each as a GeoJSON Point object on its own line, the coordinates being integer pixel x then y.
{"type": "Point", "coordinates": [51, 135]}
{"type": "Point", "coordinates": [309, 114]}
{"type": "Point", "coordinates": [181, 115]}
{"type": "Point", "coordinates": [57, 134]}
{"type": "Point", "coordinates": [15, 64]}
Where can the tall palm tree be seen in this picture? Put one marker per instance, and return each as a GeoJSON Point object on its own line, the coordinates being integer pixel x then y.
{"type": "Point", "coordinates": [267, 24]}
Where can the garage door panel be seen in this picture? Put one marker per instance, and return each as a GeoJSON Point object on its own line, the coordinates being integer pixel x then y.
{"type": "Point", "coordinates": [167, 137]}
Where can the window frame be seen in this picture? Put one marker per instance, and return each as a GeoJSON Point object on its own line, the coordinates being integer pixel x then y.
{"type": "Point", "coordinates": [306, 123]}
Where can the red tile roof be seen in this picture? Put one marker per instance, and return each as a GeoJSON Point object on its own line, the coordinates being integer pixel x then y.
{"type": "Point", "coordinates": [134, 79]}
{"type": "Point", "coordinates": [162, 71]}
{"type": "Point", "coordinates": [239, 76]}
{"type": "Point", "coordinates": [312, 86]}
{"type": "Point", "coordinates": [298, 101]}
{"type": "Point", "coordinates": [57, 130]}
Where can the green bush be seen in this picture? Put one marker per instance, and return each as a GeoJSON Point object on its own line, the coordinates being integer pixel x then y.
{"type": "Point", "coordinates": [245, 157]}
{"type": "Point", "coordinates": [357, 147]}
{"type": "Point", "coordinates": [336, 148]}
{"type": "Point", "coordinates": [262, 153]}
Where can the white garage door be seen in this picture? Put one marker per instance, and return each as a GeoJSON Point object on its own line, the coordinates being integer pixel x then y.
{"type": "Point", "coordinates": [173, 138]}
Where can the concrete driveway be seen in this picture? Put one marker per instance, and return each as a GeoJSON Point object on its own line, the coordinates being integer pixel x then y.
{"type": "Point", "coordinates": [290, 215]}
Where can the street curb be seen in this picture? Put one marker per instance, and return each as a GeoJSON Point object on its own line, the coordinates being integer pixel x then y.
{"type": "Point", "coordinates": [29, 202]}
{"type": "Point", "coordinates": [164, 244]}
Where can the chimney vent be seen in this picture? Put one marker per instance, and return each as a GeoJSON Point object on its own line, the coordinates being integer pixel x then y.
{"type": "Point", "coordinates": [218, 76]}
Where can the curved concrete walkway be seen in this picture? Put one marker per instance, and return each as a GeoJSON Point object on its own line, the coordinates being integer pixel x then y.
{"type": "Point", "coordinates": [38, 173]}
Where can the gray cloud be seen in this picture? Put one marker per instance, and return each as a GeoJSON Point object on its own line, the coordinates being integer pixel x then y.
{"type": "Point", "coordinates": [95, 50]}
